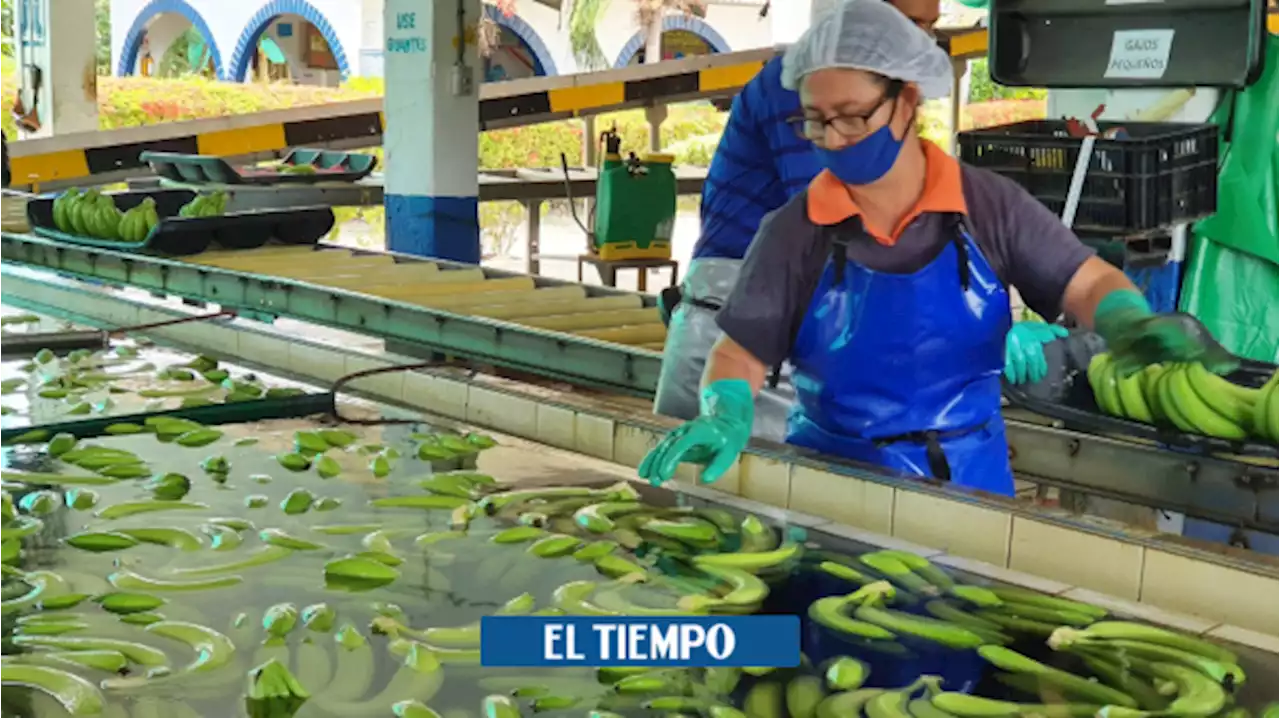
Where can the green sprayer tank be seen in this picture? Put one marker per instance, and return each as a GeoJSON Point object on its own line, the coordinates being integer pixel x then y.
{"type": "Point", "coordinates": [635, 205]}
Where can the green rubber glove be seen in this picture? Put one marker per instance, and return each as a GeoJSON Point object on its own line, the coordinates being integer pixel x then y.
{"type": "Point", "coordinates": [1024, 360]}
{"type": "Point", "coordinates": [714, 439]}
{"type": "Point", "coordinates": [1137, 337]}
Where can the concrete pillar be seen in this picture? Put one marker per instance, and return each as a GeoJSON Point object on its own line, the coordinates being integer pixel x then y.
{"type": "Point", "coordinates": [653, 39]}
{"type": "Point", "coordinates": [58, 74]}
{"type": "Point", "coordinates": [655, 116]}
{"type": "Point", "coordinates": [432, 133]}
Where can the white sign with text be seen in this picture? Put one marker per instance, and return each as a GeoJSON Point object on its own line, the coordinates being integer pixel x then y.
{"type": "Point", "coordinates": [1139, 54]}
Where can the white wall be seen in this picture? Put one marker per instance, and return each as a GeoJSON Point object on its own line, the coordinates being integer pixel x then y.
{"type": "Point", "coordinates": [546, 22]}
{"type": "Point", "coordinates": [161, 32]}
{"type": "Point", "coordinates": [741, 25]}
{"type": "Point", "coordinates": [616, 26]}
{"type": "Point", "coordinates": [294, 48]}
{"type": "Point", "coordinates": [227, 20]}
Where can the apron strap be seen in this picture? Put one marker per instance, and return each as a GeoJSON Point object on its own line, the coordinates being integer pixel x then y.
{"type": "Point", "coordinates": [960, 239]}
{"type": "Point", "coordinates": [932, 440]}
{"type": "Point", "coordinates": [775, 376]}
{"type": "Point", "coordinates": [672, 297]}
{"type": "Point", "coordinates": [937, 458]}
{"type": "Point", "coordinates": [839, 254]}
{"type": "Point", "coordinates": [961, 242]}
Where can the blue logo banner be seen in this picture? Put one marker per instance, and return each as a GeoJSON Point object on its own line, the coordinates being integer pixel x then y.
{"type": "Point", "coordinates": [688, 641]}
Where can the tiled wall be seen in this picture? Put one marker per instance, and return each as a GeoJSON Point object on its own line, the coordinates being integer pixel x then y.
{"type": "Point", "coordinates": [1137, 578]}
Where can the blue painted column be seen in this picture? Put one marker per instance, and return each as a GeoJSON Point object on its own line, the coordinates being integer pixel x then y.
{"type": "Point", "coordinates": [431, 139]}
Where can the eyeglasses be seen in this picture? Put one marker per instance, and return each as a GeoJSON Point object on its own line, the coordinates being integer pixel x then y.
{"type": "Point", "coordinates": [850, 127]}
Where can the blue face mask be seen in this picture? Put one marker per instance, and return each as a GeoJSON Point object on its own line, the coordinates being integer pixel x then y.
{"type": "Point", "coordinates": [864, 162]}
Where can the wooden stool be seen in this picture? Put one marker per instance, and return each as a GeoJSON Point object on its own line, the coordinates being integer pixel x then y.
{"type": "Point", "coordinates": [608, 269]}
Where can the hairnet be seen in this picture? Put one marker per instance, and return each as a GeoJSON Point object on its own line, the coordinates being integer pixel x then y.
{"type": "Point", "coordinates": [869, 35]}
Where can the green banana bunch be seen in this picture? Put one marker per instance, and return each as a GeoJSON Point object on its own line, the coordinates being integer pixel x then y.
{"type": "Point", "coordinates": [1265, 420]}
{"type": "Point", "coordinates": [1187, 397]}
{"type": "Point", "coordinates": [1202, 405]}
{"type": "Point", "coordinates": [1130, 397]}
{"type": "Point", "coordinates": [194, 208]}
{"type": "Point", "coordinates": [1016, 663]}
{"type": "Point", "coordinates": [106, 217]}
{"type": "Point", "coordinates": [896, 703]}
{"type": "Point", "coordinates": [137, 223]}
{"type": "Point", "coordinates": [61, 208]}
{"type": "Point", "coordinates": [205, 205]}
{"type": "Point", "coordinates": [88, 214]}
{"type": "Point", "coordinates": [1140, 644]}
{"type": "Point", "coordinates": [75, 214]}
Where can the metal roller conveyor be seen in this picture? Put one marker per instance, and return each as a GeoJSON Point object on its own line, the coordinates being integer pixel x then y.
{"type": "Point", "coordinates": [604, 338]}
{"type": "Point", "coordinates": [593, 336]}
{"type": "Point", "coordinates": [623, 318]}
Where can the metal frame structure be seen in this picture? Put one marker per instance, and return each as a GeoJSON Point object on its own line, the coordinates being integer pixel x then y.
{"type": "Point", "coordinates": [559, 356]}
{"type": "Point", "coordinates": [113, 155]}
{"type": "Point", "coordinates": [529, 187]}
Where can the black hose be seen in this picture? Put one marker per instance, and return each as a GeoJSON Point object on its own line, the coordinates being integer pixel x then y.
{"type": "Point", "coordinates": [25, 345]}
{"type": "Point", "coordinates": [344, 380]}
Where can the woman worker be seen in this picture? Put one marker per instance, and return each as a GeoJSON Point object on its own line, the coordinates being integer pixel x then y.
{"type": "Point", "coordinates": [759, 164]}
{"type": "Point", "coordinates": [884, 283]}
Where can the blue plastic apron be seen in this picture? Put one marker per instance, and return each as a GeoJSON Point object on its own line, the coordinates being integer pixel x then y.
{"type": "Point", "coordinates": [903, 370]}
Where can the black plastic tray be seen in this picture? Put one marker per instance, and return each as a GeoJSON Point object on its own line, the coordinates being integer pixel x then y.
{"type": "Point", "coordinates": [210, 415]}
{"type": "Point", "coordinates": [179, 236]}
{"type": "Point", "coordinates": [331, 166]}
{"type": "Point", "coordinates": [1065, 395]}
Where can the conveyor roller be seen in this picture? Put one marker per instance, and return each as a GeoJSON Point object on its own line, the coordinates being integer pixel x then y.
{"type": "Point", "coordinates": [615, 319]}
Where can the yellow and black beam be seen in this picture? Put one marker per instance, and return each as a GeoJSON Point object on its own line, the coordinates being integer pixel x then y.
{"type": "Point", "coordinates": [357, 124]}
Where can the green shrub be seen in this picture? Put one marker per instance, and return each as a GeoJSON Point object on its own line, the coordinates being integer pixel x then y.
{"type": "Point", "coordinates": [982, 89]}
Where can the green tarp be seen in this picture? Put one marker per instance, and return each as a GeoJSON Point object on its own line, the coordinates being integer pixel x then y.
{"type": "Point", "coordinates": [1231, 281]}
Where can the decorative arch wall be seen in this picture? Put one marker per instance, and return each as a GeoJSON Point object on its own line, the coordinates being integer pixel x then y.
{"type": "Point", "coordinates": [529, 36]}
{"type": "Point", "coordinates": [247, 45]}
{"type": "Point", "coordinates": [138, 30]}
{"type": "Point", "coordinates": [690, 23]}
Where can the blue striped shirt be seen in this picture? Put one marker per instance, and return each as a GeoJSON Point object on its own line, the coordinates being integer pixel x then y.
{"type": "Point", "coordinates": [759, 164]}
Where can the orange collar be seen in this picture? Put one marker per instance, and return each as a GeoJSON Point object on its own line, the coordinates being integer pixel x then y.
{"type": "Point", "coordinates": [829, 201]}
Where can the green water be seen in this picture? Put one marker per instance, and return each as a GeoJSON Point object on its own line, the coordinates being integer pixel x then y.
{"type": "Point", "coordinates": [118, 396]}
{"type": "Point", "coordinates": [452, 582]}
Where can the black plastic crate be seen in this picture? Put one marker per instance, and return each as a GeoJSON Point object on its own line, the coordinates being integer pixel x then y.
{"type": "Point", "coordinates": [1161, 174]}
